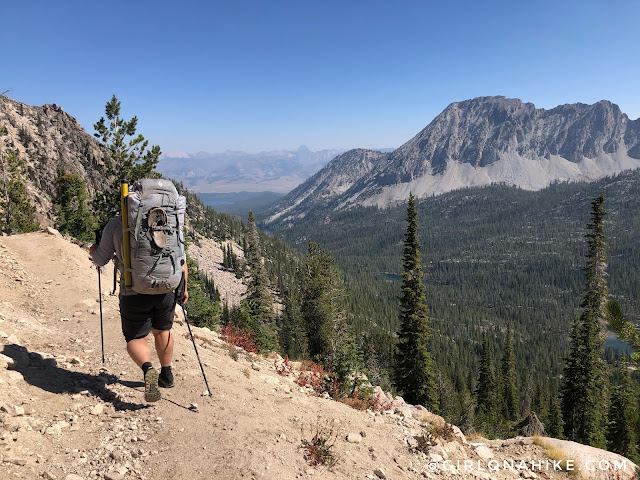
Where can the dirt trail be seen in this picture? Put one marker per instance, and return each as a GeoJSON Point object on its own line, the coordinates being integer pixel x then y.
{"type": "Point", "coordinates": [66, 416]}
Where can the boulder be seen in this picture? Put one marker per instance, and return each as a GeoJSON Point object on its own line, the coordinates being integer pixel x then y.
{"type": "Point", "coordinates": [484, 452]}
{"type": "Point", "coordinates": [7, 362]}
{"type": "Point", "coordinates": [455, 451]}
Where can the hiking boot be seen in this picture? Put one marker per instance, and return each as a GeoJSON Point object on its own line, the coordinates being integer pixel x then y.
{"type": "Point", "coordinates": [165, 379]}
{"type": "Point", "coordinates": [151, 392]}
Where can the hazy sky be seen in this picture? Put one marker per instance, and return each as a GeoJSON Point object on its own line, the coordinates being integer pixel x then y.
{"type": "Point", "coordinates": [269, 74]}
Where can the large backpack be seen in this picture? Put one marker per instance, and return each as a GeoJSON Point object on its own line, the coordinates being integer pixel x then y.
{"type": "Point", "coordinates": [155, 220]}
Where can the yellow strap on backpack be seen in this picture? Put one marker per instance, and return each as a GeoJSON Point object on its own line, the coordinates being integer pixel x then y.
{"type": "Point", "coordinates": [126, 251]}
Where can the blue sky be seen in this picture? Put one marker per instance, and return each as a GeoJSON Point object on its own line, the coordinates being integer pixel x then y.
{"type": "Point", "coordinates": [262, 75]}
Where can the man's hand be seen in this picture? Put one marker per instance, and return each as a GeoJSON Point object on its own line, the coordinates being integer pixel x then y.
{"type": "Point", "coordinates": [185, 273]}
{"type": "Point", "coordinates": [92, 249]}
{"type": "Point", "coordinates": [181, 292]}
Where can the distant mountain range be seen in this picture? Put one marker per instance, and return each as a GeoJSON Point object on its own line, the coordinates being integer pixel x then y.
{"type": "Point", "coordinates": [473, 143]}
{"type": "Point", "coordinates": [232, 171]}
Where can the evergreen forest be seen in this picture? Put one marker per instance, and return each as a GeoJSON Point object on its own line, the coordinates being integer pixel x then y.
{"type": "Point", "coordinates": [501, 267]}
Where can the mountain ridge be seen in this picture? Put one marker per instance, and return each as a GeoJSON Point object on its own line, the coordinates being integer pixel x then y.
{"type": "Point", "coordinates": [478, 142]}
{"type": "Point", "coordinates": [45, 138]}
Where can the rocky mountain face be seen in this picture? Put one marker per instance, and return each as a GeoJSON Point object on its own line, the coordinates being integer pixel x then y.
{"type": "Point", "coordinates": [478, 142]}
{"type": "Point", "coordinates": [46, 137]}
{"type": "Point", "coordinates": [276, 171]}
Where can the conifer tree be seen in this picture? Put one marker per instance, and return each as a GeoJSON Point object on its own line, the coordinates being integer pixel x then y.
{"type": "Point", "coordinates": [486, 390]}
{"type": "Point", "coordinates": [204, 311]}
{"type": "Point", "coordinates": [414, 369]}
{"type": "Point", "coordinates": [510, 408]}
{"type": "Point", "coordinates": [622, 419]}
{"type": "Point", "coordinates": [225, 317]}
{"type": "Point", "coordinates": [292, 337]}
{"type": "Point", "coordinates": [225, 257]}
{"type": "Point", "coordinates": [569, 390]}
{"type": "Point", "coordinates": [16, 207]}
{"type": "Point", "coordinates": [259, 299]}
{"type": "Point", "coordinates": [446, 396]}
{"type": "Point", "coordinates": [554, 423]}
{"type": "Point", "coordinates": [128, 159]}
{"type": "Point", "coordinates": [584, 382]}
{"type": "Point", "coordinates": [70, 206]}
{"type": "Point", "coordinates": [320, 302]}
{"type": "Point", "coordinates": [347, 359]}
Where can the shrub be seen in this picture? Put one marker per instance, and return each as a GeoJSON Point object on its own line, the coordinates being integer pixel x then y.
{"type": "Point", "coordinates": [317, 451]}
{"type": "Point", "coordinates": [285, 368]}
{"type": "Point", "coordinates": [360, 400]}
{"type": "Point", "coordinates": [425, 442]}
{"type": "Point", "coordinates": [315, 377]}
{"type": "Point", "coordinates": [239, 337]}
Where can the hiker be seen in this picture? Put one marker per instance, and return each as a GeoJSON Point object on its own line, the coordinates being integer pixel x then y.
{"type": "Point", "coordinates": [144, 313]}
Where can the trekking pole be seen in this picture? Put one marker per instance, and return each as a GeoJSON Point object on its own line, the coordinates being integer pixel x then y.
{"type": "Point", "coordinates": [98, 237]}
{"type": "Point", "coordinates": [126, 253]}
{"type": "Point", "coordinates": [179, 294]}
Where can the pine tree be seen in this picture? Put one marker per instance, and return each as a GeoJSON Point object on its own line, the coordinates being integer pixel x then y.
{"type": "Point", "coordinates": [204, 311]}
{"type": "Point", "coordinates": [225, 317]}
{"type": "Point", "coordinates": [554, 423]}
{"type": "Point", "coordinates": [227, 259]}
{"type": "Point", "coordinates": [129, 159]}
{"type": "Point", "coordinates": [259, 299]}
{"type": "Point", "coordinates": [569, 390]}
{"type": "Point", "coordinates": [348, 361]}
{"type": "Point", "coordinates": [320, 303]}
{"type": "Point", "coordinates": [292, 336]}
{"type": "Point", "coordinates": [446, 396]}
{"type": "Point", "coordinates": [584, 387]}
{"type": "Point", "coordinates": [510, 391]}
{"type": "Point", "coordinates": [414, 369]}
{"type": "Point", "coordinates": [486, 390]}
{"type": "Point", "coordinates": [17, 208]}
{"type": "Point", "coordinates": [70, 206]}
{"type": "Point", "coordinates": [622, 420]}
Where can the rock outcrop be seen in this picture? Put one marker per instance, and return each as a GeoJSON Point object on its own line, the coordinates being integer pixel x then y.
{"type": "Point", "coordinates": [46, 138]}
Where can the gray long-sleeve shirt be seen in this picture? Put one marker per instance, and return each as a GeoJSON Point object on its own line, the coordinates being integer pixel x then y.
{"type": "Point", "coordinates": [110, 243]}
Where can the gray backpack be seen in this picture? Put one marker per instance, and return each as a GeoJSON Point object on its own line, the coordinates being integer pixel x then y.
{"type": "Point", "coordinates": [156, 216]}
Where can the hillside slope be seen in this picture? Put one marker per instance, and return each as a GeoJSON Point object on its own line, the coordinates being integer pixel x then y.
{"type": "Point", "coordinates": [64, 415]}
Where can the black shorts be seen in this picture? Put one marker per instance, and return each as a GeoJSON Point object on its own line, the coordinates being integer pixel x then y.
{"type": "Point", "coordinates": [140, 313]}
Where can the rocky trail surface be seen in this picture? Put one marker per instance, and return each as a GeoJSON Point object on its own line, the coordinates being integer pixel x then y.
{"type": "Point", "coordinates": [65, 415]}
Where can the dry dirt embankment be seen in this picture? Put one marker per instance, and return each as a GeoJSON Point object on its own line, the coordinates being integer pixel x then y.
{"type": "Point", "coordinates": [65, 415]}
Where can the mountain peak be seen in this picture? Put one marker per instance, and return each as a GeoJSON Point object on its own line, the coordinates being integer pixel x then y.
{"type": "Point", "coordinates": [480, 141]}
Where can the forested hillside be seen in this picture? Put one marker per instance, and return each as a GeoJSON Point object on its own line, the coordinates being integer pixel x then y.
{"type": "Point", "coordinates": [490, 256]}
